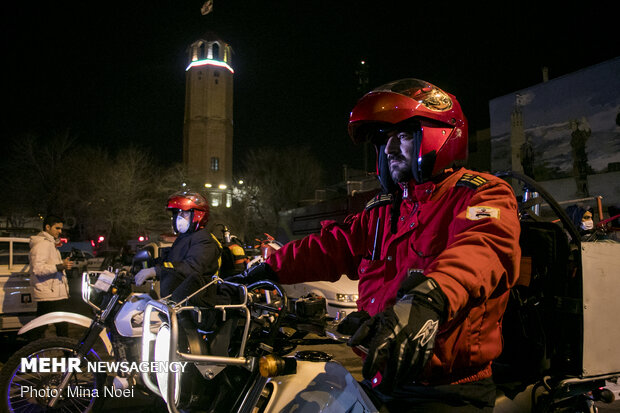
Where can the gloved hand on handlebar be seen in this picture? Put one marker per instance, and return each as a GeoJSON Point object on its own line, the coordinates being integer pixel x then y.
{"type": "Point", "coordinates": [253, 274]}
{"type": "Point", "coordinates": [144, 274]}
{"type": "Point", "coordinates": [400, 339]}
{"type": "Point", "coordinates": [352, 322]}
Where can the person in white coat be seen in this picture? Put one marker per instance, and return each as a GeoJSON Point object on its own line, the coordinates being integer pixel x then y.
{"type": "Point", "coordinates": [47, 277]}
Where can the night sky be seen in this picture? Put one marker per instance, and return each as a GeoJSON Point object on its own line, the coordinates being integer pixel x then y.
{"type": "Point", "coordinates": [112, 72]}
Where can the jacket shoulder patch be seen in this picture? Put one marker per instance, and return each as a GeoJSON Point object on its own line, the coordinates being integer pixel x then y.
{"type": "Point", "coordinates": [379, 200]}
{"type": "Point", "coordinates": [475, 213]}
{"type": "Point", "coordinates": [471, 181]}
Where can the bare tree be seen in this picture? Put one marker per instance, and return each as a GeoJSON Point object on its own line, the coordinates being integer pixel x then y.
{"type": "Point", "coordinates": [120, 197]}
{"type": "Point", "coordinates": [274, 180]}
{"type": "Point", "coordinates": [33, 178]}
{"type": "Point", "coordinates": [126, 200]}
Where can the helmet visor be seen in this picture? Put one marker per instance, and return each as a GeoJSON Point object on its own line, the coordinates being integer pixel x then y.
{"type": "Point", "coordinates": [378, 133]}
{"type": "Point", "coordinates": [426, 94]}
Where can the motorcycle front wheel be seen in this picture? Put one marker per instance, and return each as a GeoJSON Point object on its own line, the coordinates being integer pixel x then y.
{"type": "Point", "coordinates": [26, 391]}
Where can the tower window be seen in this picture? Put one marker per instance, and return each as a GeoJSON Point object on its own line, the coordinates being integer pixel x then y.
{"type": "Point", "coordinates": [216, 199]}
{"type": "Point", "coordinates": [215, 163]}
{"type": "Point", "coordinates": [216, 73]}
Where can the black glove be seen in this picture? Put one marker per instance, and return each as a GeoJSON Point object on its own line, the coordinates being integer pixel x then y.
{"type": "Point", "coordinates": [260, 272]}
{"type": "Point", "coordinates": [352, 322]}
{"type": "Point", "coordinates": [400, 339]}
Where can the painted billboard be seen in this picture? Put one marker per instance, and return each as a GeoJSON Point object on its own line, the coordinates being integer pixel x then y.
{"type": "Point", "coordinates": [567, 129]}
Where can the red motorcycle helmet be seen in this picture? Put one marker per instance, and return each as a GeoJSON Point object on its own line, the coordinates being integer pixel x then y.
{"type": "Point", "coordinates": [189, 201]}
{"type": "Point", "coordinates": [435, 116]}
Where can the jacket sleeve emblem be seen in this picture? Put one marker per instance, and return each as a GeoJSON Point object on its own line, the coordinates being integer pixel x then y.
{"type": "Point", "coordinates": [471, 181]}
{"type": "Point", "coordinates": [379, 200]}
{"type": "Point", "coordinates": [475, 213]}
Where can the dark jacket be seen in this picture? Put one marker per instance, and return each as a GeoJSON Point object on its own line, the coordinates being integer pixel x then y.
{"type": "Point", "coordinates": [190, 262]}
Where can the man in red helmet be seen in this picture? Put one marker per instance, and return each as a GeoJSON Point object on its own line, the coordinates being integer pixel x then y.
{"type": "Point", "coordinates": [193, 257]}
{"type": "Point", "coordinates": [435, 254]}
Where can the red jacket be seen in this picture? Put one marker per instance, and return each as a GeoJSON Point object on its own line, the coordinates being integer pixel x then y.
{"type": "Point", "coordinates": [463, 232]}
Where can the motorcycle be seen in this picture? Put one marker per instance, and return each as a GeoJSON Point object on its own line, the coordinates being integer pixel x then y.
{"type": "Point", "coordinates": [558, 356]}
{"type": "Point", "coordinates": [256, 373]}
{"type": "Point", "coordinates": [237, 357]}
{"type": "Point", "coordinates": [239, 342]}
{"type": "Point", "coordinates": [115, 329]}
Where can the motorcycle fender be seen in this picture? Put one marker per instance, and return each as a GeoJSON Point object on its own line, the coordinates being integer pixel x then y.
{"type": "Point", "coordinates": [71, 318]}
{"type": "Point", "coordinates": [326, 385]}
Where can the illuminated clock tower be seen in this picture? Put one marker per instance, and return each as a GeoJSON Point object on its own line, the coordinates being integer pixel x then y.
{"type": "Point", "coordinates": [208, 123]}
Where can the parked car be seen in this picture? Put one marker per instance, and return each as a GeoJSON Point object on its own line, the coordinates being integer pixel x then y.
{"type": "Point", "coordinates": [81, 253]}
{"type": "Point", "coordinates": [17, 306]}
{"type": "Point", "coordinates": [341, 295]}
{"type": "Point", "coordinates": [19, 232]}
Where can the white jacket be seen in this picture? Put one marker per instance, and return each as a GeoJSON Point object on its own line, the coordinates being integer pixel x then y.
{"type": "Point", "coordinates": [48, 283]}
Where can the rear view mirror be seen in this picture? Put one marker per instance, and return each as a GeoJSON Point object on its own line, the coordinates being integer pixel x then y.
{"type": "Point", "coordinates": [143, 258]}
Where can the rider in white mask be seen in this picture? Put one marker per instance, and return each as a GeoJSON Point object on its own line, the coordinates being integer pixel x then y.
{"type": "Point", "coordinates": [581, 216]}
{"type": "Point", "coordinates": [586, 221]}
{"type": "Point", "coordinates": [193, 257]}
{"type": "Point", "coordinates": [182, 221]}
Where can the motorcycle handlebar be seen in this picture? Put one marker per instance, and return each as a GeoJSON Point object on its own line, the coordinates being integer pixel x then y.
{"type": "Point", "coordinates": [270, 285]}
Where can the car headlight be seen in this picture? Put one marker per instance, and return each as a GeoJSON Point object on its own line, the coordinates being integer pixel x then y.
{"type": "Point", "coordinates": [347, 298]}
{"type": "Point", "coordinates": [162, 354]}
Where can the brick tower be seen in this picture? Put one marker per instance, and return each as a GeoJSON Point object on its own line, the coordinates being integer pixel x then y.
{"type": "Point", "coordinates": [208, 123]}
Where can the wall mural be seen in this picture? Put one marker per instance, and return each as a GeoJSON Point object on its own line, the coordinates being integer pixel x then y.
{"type": "Point", "coordinates": [565, 127]}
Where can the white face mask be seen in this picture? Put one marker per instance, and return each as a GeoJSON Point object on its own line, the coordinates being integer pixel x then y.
{"type": "Point", "coordinates": [587, 225]}
{"type": "Point", "coordinates": [182, 224]}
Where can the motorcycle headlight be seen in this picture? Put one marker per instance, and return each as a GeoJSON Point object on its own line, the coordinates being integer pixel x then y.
{"type": "Point", "coordinates": [85, 287]}
{"type": "Point", "coordinates": [162, 356]}
{"type": "Point", "coordinates": [104, 281]}
{"type": "Point", "coordinates": [94, 284]}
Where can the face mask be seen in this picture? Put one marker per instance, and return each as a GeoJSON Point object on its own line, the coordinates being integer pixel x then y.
{"type": "Point", "coordinates": [182, 224]}
{"type": "Point", "coordinates": [587, 225]}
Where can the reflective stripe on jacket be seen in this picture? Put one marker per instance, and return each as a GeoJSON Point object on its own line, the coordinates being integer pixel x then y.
{"type": "Point", "coordinates": [192, 255]}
